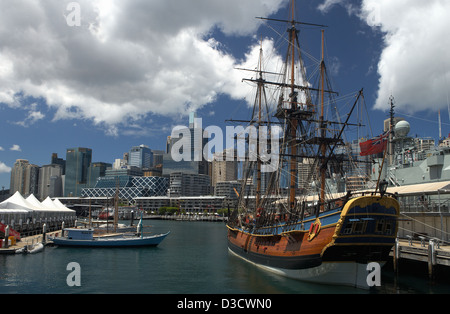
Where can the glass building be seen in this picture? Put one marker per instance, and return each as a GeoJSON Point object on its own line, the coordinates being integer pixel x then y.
{"type": "Point", "coordinates": [129, 187]}
{"type": "Point", "coordinates": [195, 163]}
{"type": "Point", "coordinates": [95, 171]}
{"type": "Point", "coordinates": [78, 161]}
{"type": "Point", "coordinates": [140, 156]}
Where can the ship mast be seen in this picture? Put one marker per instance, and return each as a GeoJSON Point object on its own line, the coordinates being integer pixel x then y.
{"type": "Point", "coordinates": [293, 122]}
{"type": "Point", "coordinates": [322, 129]}
{"type": "Point", "coordinates": [260, 94]}
{"type": "Point", "coordinates": [257, 120]}
{"type": "Point", "coordinates": [292, 110]}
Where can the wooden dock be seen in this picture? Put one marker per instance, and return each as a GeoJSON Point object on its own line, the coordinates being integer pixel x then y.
{"type": "Point", "coordinates": [31, 240]}
{"type": "Point", "coordinates": [431, 251]}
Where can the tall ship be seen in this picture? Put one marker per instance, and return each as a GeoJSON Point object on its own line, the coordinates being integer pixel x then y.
{"type": "Point", "coordinates": [309, 232]}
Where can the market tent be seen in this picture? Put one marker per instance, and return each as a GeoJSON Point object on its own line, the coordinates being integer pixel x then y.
{"type": "Point", "coordinates": [15, 210]}
{"type": "Point", "coordinates": [62, 207]}
{"type": "Point", "coordinates": [16, 201]}
{"type": "Point", "coordinates": [41, 209]}
{"type": "Point", "coordinates": [58, 210]}
{"type": "Point", "coordinates": [16, 207]}
{"type": "Point", "coordinates": [34, 201]}
{"type": "Point", "coordinates": [48, 203]}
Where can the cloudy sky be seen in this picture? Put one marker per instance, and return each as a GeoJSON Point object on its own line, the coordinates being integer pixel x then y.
{"type": "Point", "coordinates": [111, 74]}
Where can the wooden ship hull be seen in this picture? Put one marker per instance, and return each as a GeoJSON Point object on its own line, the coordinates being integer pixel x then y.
{"type": "Point", "coordinates": [334, 247]}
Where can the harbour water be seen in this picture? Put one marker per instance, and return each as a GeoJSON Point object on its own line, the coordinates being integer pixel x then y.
{"type": "Point", "coordinates": [193, 259]}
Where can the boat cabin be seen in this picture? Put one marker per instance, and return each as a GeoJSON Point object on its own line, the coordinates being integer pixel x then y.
{"type": "Point", "coordinates": [79, 234]}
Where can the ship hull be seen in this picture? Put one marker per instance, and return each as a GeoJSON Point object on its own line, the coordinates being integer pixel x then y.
{"type": "Point", "coordinates": [330, 273]}
{"type": "Point", "coordinates": [334, 247]}
{"type": "Point", "coordinates": [113, 242]}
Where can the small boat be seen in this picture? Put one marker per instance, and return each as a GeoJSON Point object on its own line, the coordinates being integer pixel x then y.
{"type": "Point", "coordinates": [31, 249]}
{"type": "Point", "coordinates": [36, 248]}
{"type": "Point", "coordinates": [106, 214]}
{"type": "Point", "coordinates": [85, 238]}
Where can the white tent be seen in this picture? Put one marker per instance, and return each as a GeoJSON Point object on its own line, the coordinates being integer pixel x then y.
{"type": "Point", "coordinates": [17, 208]}
{"type": "Point", "coordinates": [34, 201]}
{"type": "Point", "coordinates": [48, 203]}
{"type": "Point", "coordinates": [16, 202]}
{"type": "Point", "coordinates": [62, 207]}
{"type": "Point", "coordinates": [55, 209]}
{"type": "Point", "coordinates": [36, 204]}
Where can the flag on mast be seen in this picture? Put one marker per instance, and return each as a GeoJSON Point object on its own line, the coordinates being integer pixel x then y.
{"type": "Point", "coordinates": [375, 145]}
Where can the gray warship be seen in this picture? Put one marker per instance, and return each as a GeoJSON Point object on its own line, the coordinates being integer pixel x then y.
{"type": "Point", "coordinates": [418, 171]}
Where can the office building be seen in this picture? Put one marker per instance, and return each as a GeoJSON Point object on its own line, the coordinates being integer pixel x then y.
{"type": "Point", "coordinates": [157, 157]}
{"type": "Point", "coordinates": [224, 169]}
{"type": "Point", "coordinates": [189, 204]}
{"type": "Point", "coordinates": [124, 171]}
{"type": "Point", "coordinates": [193, 161]}
{"type": "Point", "coordinates": [24, 178]}
{"type": "Point", "coordinates": [228, 189]}
{"type": "Point", "coordinates": [140, 156]}
{"type": "Point", "coordinates": [59, 161]}
{"type": "Point", "coordinates": [95, 171]}
{"type": "Point", "coordinates": [78, 161]}
{"type": "Point", "coordinates": [188, 184]}
{"type": "Point", "coordinates": [50, 181]}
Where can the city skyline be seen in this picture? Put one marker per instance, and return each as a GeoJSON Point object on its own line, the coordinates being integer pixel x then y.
{"type": "Point", "coordinates": [123, 78]}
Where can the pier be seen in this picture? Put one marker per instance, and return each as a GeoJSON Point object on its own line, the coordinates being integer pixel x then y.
{"type": "Point", "coordinates": [28, 242]}
{"type": "Point", "coordinates": [429, 250]}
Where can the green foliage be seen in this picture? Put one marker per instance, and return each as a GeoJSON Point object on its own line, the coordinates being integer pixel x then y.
{"type": "Point", "coordinates": [167, 210]}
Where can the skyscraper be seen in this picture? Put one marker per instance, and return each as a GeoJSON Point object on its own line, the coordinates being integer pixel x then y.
{"type": "Point", "coordinates": [196, 143]}
{"type": "Point", "coordinates": [224, 169]}
{"type": "Point", "coordinates": [59, 161]}
{"type": "Point", "coordinates": [50, 181]}
{"type": "Point", "coordinates": [78, 161]}
{"type": "Point", "coordinates": [95, 171]}
{"type": "Point", "coordinates": [140, 156]}
{"type": "Point", "coordinates": [24, 178]}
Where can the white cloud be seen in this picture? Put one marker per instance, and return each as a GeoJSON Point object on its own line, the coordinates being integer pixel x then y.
{"type": "Point", "coordinates": [414, 66]}
{"type": "Point", "coordinates": [127, 59]}
{"type": "Point", "coordinates": [16, 148]}
{"type": "Point", "coordinates": [32, 117]}
{"type": "Point", "coordinates": [328, 4]}
{"type": "Point", "coordinates": [4, 168]}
